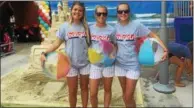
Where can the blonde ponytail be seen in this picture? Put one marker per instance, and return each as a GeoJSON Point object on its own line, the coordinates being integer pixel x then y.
{"type": "Point", "coordinates": [87, 30]}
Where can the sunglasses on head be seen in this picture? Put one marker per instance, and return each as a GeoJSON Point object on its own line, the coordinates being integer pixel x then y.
{"type": "Point", "coordinates": [101, 13]}
{"type": "Point", "coordinates": [122, 11]}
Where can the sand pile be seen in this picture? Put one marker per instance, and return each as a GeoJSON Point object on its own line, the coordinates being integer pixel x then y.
{"type": "Point", "coordinates": [27, 85]}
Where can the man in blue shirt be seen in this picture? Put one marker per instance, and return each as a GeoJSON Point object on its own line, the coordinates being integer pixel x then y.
{"type": "Point", "coordinates": [182, 56]}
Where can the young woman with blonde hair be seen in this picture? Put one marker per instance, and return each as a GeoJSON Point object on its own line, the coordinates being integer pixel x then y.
{"type": "Point", "coordinates": [101, 31]}
{"type": "Point", "coordinates": [127, 67]}
{"type": "Point", "coordinates": [75, 34]}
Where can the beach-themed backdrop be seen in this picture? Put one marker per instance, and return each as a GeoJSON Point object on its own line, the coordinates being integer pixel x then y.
{"type": "Point", "coordinates": [147, 12]}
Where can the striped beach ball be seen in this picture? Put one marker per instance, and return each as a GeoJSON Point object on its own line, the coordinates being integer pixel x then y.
{"type": "Point", "coordinates": [150, 52]}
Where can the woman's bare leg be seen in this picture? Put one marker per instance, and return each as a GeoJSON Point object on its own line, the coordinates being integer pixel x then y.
{"type": "Point", "coordinates": [94, 84]}
{"type": "Point", "coordinates": [84, 81]}
{"type": "Point", "coordinates": [72, 83]}
{"type": "Point", "coordinates": [122, 81]}
{"type": "Point", "coordinates": [107, 91]}
{"type": "Point", "coordinates": [129, 92]}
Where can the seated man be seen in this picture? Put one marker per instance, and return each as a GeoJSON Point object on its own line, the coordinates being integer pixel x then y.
{"type": "Point", "coordinates": [181, 55]}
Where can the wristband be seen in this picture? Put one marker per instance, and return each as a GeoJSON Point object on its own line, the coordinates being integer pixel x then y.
{"type": "Point", "coordinates": [44, 53]}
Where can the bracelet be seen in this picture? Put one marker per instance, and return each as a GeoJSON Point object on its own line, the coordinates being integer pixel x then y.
{"type": "Point", "coordinates": [44, 53]}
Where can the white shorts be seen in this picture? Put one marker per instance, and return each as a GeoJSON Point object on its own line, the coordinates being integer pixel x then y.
{"type": "Point", "coordinates": [130, 73]}
{"type": "Point", "coordinates": [83, 71]}
{"type": "Point", "coordinates": [99, 72]}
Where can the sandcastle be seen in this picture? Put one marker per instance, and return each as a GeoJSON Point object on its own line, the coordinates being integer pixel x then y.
{"type": "Point", "coordinates": [57, 19]}
{"type": "Point", "coordinates": [30, 87]}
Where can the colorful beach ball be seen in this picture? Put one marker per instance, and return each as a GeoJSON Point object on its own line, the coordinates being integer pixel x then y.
{"type": "Point", "coordinates": [107, 47]}
{"type": "Point", "coordinates": [101, 55]}
{"type": "Point", "coordinates": [57, 65]}
{"type": "Point", "coordinates": [94, 56]}
{"type": "Point", "coordinates": [148, 55]}
{"type": "Point", "coordinates": [108, 61]}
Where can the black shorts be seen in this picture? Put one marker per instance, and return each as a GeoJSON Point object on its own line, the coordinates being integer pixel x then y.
{"type": "Point", "coordinates": [170, 55]}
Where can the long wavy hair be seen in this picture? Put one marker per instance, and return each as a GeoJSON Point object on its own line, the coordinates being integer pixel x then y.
{"type": "Point", "coordinates": [83, 20]}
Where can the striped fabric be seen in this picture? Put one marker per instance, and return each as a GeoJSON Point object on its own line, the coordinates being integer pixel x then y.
{"type": "Point", "coordinates": [131, 73]}
{"type": "Point", "coordinates": [99, 72]}
{"type": "Point", "coordinates": [83, 71]}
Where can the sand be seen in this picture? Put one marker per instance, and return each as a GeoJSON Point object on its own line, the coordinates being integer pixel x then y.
{"type": "Point", "coordinates": [25, 85]}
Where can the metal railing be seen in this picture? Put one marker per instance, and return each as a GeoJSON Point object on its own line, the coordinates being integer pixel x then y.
{"type": "Point", "coordinates": [183, 8]}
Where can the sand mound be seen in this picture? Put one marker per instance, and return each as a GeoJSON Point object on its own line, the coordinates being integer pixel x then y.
{"type": "Point", "coordinates": [30, 85]}
{"type": "Point", "coordinates": [27, 85]}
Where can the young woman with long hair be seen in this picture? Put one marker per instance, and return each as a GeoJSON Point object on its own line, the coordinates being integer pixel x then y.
{"type": "Point", "coordinates": [75, 34]}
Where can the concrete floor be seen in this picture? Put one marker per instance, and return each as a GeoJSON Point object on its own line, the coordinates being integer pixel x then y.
{"type": "Point", "coordinates": [182, 97]}
{"type": "Point", "coordinates": [17, 59]}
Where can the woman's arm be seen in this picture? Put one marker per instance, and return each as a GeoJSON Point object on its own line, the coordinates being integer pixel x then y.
{"type": "Point", "coordinates": [153, 35]}
{"type": "Point", "coordinates": [54, 46]}
{"type": "Point", "coordinates": [113, 53]}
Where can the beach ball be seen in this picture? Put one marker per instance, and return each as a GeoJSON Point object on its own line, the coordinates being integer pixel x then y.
{"type": "Point", "coordinates": [57, 65]}
{"type": "Point", "coordinates": [148, 55]}
{"type": "Point", "coordinates": [108, 61]}
{"type": "Point", "coordinates": [94, 56]}
{"type": "Point", "coordinates": [107, 47]}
